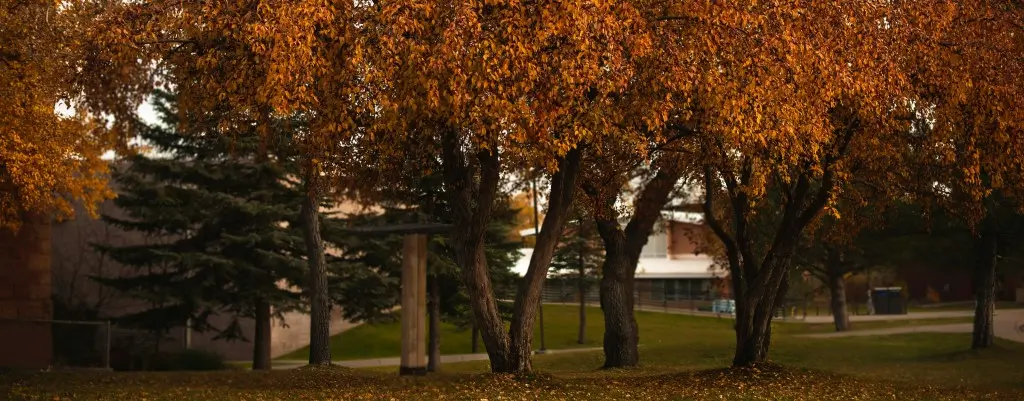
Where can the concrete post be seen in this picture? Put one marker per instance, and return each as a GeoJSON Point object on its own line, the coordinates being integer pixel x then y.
{"type": "Point", "coordinates": [414, 305]}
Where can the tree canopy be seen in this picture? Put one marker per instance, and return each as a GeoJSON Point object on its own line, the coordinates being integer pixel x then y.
{"type": "Point", "coordinates": [50, 154]}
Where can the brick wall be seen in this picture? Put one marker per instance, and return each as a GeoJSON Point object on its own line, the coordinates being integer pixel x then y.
{"type": "Point", "coordinates": [25, 295]}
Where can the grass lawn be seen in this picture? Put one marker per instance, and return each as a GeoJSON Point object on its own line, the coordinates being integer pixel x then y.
{"type": "Point", "coordinates": [561, 324]}
{"type": "Point", "coordinates": [682, 358]}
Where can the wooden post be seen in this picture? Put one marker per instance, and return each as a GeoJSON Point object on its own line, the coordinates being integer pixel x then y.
{"type": "Point", "coordinates": [414, 305]}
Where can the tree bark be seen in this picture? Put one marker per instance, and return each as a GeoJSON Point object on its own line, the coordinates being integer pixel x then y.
{"type": "Point", "coordinates": [472, 197]}
{"type": "Point", "coordinates": [261, 337]}
{"type": "Point", "coordinates": [434, 329]}
{"type": "Point", "coordinates": [985, 290]}
{"type": "Point", "coordinates": [622, 253]}
{"type": "Point", "coordinates": [528, 297]}
{"type": "Point", "coordinates": [756, 306]}
{"type": "Point", "coordinates": [621, 334]}
{"type": "Point", "coordinates": [320, 309]}
{"type": "Point", "coordinates": [475, 342]}
{"type": "Point", "coordinates": [837, 290]}
{"type": "Point", "coordinates": [582, 337]}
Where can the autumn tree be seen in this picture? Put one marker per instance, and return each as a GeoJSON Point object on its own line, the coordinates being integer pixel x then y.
{"type": "Point", "coordinates": [50, 153]}
{"type": "Point", "coordinates": [492, 86]}
{"type": "Point", "coordinates": [793, 100]}
{"type": "Point", "coordinates": [968, 78]}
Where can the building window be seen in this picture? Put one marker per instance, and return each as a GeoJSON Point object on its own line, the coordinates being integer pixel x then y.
{"type": "Point", "coordinates": [658, 290]}
{"type": "Point", "coordinates": [656, 247]}
{"type": "Point", "coordinates": [681, 289]}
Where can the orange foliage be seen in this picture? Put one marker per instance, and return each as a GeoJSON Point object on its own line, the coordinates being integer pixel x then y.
{"type": "Point", "coordinates": [47, 160]}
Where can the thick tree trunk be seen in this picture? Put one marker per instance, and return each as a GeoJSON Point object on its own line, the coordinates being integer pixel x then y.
{"type": "Point", "coordinates": [320, 309]}
{"type": "Point", "coordinates": [475, 342]}
{"type": "Point", "coordinates": [434, 329]}
{"type": "Point", "coordinates": [837, 290]}
{"type": "Point", "coordinates": [261, 337]}
{"type": "Point", "coordinates": [622, 252]}
{"type": "Point", "coordinates": [984, 291]}
{"type": "Point", "coordinates": [621, 334]}
{"type": "Point", "coordinates": [840, 313]}
{"type": "Point", "coordinates": [582, 336]}
{"type": "Point", "coordinates": [755, 308]}
{"type": "Point", "coordinates": [472, 198]}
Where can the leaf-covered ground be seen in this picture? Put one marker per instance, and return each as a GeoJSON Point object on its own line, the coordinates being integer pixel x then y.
{"type": "Point", "coordinates": [766, 383]}
{"type": "Point", "coordinates": [682, 358]}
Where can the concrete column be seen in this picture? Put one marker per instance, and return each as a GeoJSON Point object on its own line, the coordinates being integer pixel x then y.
{"type": "Point", "coordinates": [414, 305]}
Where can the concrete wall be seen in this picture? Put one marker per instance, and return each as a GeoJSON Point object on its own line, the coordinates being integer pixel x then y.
{"type": "Point", "coordinates": [25, 295]}
{"type": "Point", "coordinates": [74, 260]}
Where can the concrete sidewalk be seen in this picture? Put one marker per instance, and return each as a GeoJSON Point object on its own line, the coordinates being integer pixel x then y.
{"type": "Point", "coordinates": [385, 362]}
{"type": "Point", "coordinates": [1009, 325]}
{"type": "Point", "coordinates": [908, 316]}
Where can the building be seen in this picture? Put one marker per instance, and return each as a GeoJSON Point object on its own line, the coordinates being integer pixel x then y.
{"type": "Point", "coordinates": [674, 270]}
{"type": "Point", "coordinates": [46, 261]}
{"type": "Point", "coordinates": [25, 306]}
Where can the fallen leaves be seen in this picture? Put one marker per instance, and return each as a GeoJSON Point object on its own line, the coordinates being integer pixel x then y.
{"type": "Point", "coordinates": [765, 382]}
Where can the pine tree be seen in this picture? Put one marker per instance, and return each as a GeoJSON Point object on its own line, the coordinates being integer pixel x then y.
{"type": "Point", "coordinates": [222, 213]}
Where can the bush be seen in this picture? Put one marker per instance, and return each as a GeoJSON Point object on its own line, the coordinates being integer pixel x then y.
{"type": "Point", "coordinates": [192, 360]}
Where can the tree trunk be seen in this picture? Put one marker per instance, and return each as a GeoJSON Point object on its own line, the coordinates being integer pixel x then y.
{"type": "Point", "coordinates": [621, 337]}
{"type": "Point", "coordinates": [582, 337]}
{"type": "Point", "coordinates": [434, 346]}
{"type": "Point", "coordinates": [475, 342]}
{"type": "Point", "coordinates": [320, 309]}
{"type": "Point", "coordinates": [528, 297]}
{"type": "Point", "coordinates": [755, 308]}
{"type": "Point", "coordinates": [984, 290]}
{"type": "Point", "coordinates": [837, 290]}
{"type": "Point", "coordinates": [622, 252]}
{"type": "Point", "coordinates": [261, 337]}
{"type": "Point", "coordinates": [471, 199]}
{"type": "Point", "coordinates": [621, 334]}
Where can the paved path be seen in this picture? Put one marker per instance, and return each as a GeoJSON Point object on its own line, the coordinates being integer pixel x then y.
{"type": "Point", "coordinates": [1009, 325]}
{"type": "Point", "coordinates": [908, 316]}
{"type": "Point", "coordinates": [384, 362]}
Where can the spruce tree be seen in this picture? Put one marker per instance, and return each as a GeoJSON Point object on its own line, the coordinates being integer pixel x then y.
{"type": "Point", "coordinates": [577, 261]}
{"type": "Point", "coordinates": [221, 212]}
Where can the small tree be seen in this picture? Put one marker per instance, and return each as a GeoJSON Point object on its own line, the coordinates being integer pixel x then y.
{"type": "Point", "coordinates": [578, 259]}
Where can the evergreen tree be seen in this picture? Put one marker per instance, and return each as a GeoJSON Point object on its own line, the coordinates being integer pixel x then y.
{"type": "Point", "coordinates": [578, 260]}
{"type": "Point", "coordinates": [222, 213]}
